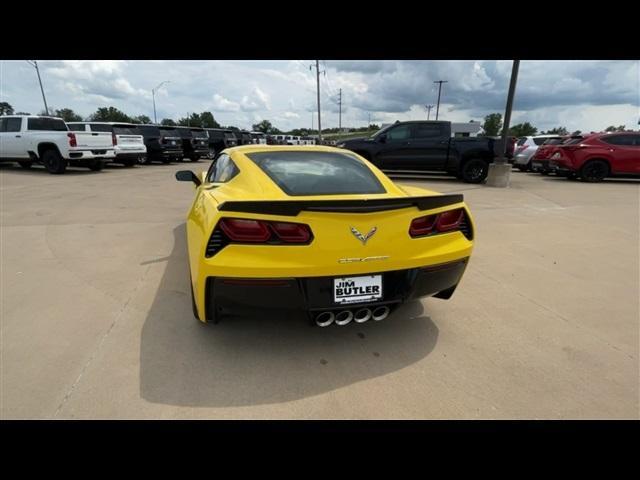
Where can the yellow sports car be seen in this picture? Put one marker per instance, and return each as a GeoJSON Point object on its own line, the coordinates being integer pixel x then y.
{"type": "Point", "coordinates": [319, 229]}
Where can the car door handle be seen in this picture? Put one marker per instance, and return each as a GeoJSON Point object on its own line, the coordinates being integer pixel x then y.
{"type": "Point", "coordinates": [18, 136]}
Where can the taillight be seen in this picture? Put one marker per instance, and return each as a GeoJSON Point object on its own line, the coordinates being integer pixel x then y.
{"type": "Point", "coordinates": [260, 231]}
{"type": "Point", "coordinates": [72, 139]}
{"type": "Point", "coordinates": [448, 221]}
{"type": "Point", "coordinates": [114, 139]}
{"type": "Point", "coordinates": [241, 230]}
{"type": "Point", "coordinates": [522, 148]}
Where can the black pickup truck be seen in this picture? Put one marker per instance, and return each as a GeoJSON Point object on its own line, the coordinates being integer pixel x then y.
{"type": "Point", "coordinates": [428, 146]}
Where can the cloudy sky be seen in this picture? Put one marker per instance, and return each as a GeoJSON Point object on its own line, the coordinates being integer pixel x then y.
{"type": "Point", "coordinates": [584, 95]}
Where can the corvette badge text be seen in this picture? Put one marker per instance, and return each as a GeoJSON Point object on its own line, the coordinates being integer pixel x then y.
{"type": "Point", "coordinates": [364, 259]}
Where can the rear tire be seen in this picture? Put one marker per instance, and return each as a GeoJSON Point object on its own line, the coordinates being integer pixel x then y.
{"type": "Point", "coordinates": [129, 163]}
{"type": "Point", "coordinates": [594, 171]}
{"type": "Point", "coordinates": [53, 162]}
{"type": "Point", "coordinates": [96, 165]}
{"type": "Point", "coordinates": [474, 170]}
{"type": "Point", "coordinates": [165, 161]}
{"type": "Point", "coordinates": [26, 165]}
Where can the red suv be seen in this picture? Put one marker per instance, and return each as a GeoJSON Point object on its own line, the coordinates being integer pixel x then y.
{"type": "Point", "coordinates": [599, 156]}
{"type": "Point", "coordinates": [540, 159]}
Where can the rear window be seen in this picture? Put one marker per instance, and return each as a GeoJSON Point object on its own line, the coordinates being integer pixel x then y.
{"type": "Point", "coordinates": [101, 127]}
{"type": "Point", "coordinates": [169, 132]}
{"type": "Point", "coordinates": [214, 134]}
{"type": "Point", "coordinates": [553, 141]}
{"type": "Point", "coordinates": [125, 130]}
{"type": "Point", "coordinates": [317, 173]}
{"type": "Point", "coordinates": [149, 131]}
{"type": "Point", "coordinates": [199, 133]}
{"type": "Point", "coordinates": [619, 139]}
{"type": "Point", "coordinates": [521, 141]}
{"type": "Point", "coordinates": [184, 132]}
{"type": "Point", "coordinates": [49, 124]}
{"type": "Point", "coordinates": [572, 140]}
{"type": "Point", "coordinates": [76, 127]}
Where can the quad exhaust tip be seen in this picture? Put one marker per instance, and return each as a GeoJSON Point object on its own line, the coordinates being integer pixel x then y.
{"type": "Point", "coordinates": [362, 315]}
{"type": "Point", "coordinates": [325, 319]}
{"type": "Point", "coordinates": [344, 317]}
{"type": "Point", "coordinates": [380, 313]}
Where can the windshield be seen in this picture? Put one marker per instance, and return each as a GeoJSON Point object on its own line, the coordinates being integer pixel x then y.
{"type": "Point", "coordinates": [384, 129]}
{"type": "Point", "coordinates": [199, 133]}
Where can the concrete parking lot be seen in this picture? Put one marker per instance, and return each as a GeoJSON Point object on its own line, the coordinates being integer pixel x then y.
{"type": "Point", "coordinates": [97, 323]}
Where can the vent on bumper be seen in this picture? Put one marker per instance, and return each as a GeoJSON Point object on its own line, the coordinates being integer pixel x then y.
{"type": "Point", "coordinates": [465, 227]}
{"type": "Point", "coordinates": [217, 242]}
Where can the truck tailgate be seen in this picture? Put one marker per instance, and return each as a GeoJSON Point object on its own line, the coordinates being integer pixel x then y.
{"type": "Point", "coordinates": [93, 140]}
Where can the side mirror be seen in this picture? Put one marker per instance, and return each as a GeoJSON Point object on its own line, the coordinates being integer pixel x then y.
{"type": "Point", "coordinates": [188, 176]}
{"type": "Point", "coordinates": [382, 138]}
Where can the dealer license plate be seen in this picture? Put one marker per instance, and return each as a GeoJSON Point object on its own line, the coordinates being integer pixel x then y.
{"type": "Point", "coordinates": [357, 289]}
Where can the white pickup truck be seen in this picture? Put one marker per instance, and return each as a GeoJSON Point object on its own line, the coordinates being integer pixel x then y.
{"type": "Point", "coordinates": [128, 142]}
{"type": "Point", "coordinates": [28, 138]}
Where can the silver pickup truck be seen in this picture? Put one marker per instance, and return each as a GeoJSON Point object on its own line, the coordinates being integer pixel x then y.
{"type": "Point", "coordinates": [27, 139]}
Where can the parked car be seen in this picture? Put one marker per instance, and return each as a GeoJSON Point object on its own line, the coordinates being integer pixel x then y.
{"type": "Point", "coordinates": [27, 139]}
{"type": "Point", "coordinates": [219, 139]}
{"type": "Point", "coordinates": [540, 159]}
{"type": "Point", "coordinates": [599, 156]}
{"type": "Point", "coordinates": [279, 140]}
{"type": "Point", "coordinates": [292, 140]}
{"type": "Point", "coordinates": [195, 142]}
{"type": "Point", "coordinates": [258, 138]}
{"type": "Point", "coordinates": [527, 147]}
{"type": "Point", "coordinates": [127, 141]}
{"type": "Point", "coordinates": [163, 143]}
{"type": "Point", "coordinates": [244, 137]}
{"type": "Point", "coordinates": [318, 230]}
{"type": "Point", "coordinates": [427, 146]}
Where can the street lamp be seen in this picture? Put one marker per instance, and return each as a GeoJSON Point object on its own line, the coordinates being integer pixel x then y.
{"type": "Point", "coordinates": [34, 64]}
{"type": "Point", "coordinates": [153, 94]}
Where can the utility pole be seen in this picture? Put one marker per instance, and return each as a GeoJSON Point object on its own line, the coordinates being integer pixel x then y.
{"type": "Point", "coordinates": [500, 171]}
{"type": "Point", "coordinates": [34, 64]}
{"type": "Point", "coordinates": [429, 107]}
{"type": "Point", "coordinates": [153, 95]}
{"type": "Point", "coordinates": [318, 92]}
{"type": "Point", "coordinates": [340, 110]}
{"type": "Point", "coordinates": [440, 82]}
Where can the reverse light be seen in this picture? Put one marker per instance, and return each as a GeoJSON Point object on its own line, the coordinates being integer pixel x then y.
{"type": "Point", "coordinates": [448, 221]}
{"type": "Point", "coordinates": [72, 139]}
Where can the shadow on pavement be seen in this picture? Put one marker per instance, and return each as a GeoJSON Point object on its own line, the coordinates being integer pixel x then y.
{"type": "Point", "coordinates": [266, 358]}
{"type": "Point", "coordinates": [37, 169]}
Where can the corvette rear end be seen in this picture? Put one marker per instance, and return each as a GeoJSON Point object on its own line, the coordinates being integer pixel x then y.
{"type": "Point", "coordinates": [321, 230]}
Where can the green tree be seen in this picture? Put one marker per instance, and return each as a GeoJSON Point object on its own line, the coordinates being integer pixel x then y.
{"type": "Point", "coordinates": [612, 128]}
{"type": "Point", "coordinates": [6, 108]}
{"type": "Point", "coordinates": [67, 115]}
{"type": "Point", "coordinates": [265, 126]}
{"type": "Point", "coordinates": [492, 124]}
{"type": "Point", "coordinates": [208, 121]}
{"type": "Point", "coordinates": [557, 131]}
{"type": "Point", "coordinates": [577, 132]}
{"type": "Point", "coordinates": [141, 119]}
{"type": "Point", "coordinates": [168, 122]}
{"type": "Point", "coordinates": [523, 130]}
{"type": "Point", "coordinates": [22, 113]}
{"type": "Point", "coordinates": [110, 114]}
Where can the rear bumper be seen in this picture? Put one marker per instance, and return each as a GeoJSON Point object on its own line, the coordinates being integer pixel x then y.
{"type": "Point", "coordinates": [104, 154]}
{"type": "Point", "coordinates": [315, 294]}
{"type": "Point", "coordinates": [540, 165]}
{"type": "Point", "coordinates": [521, 159]}
{"type": "Point", "coordinates": [129, 156]}
{"type": "Point", "coordinates": [559, 168]}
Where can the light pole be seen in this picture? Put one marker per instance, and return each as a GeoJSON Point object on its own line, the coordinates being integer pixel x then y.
{"type": "Point", "coordinates": [429, 107]}
{"type": "Point", "coordinates": [153, 94]}
{"type": "Point", "coordinates": [439, 92]}
{"type": "Point", "coordinates": [34, 64]}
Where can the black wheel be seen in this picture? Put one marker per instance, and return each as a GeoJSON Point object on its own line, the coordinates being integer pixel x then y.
{"type": "Point", "coordinates": [474, 170]}
{"type": "Point", "coordinates": [166, 161]}
{"type": "Point", "coordinates": [522, 168]}
{"type": "Point", "coordinates": [143, 160]}
{"type": "Point", "coordinates": [26, 164]}
{"type": "Point", "coordinates": [194, 158]}
{"type": "Point", "coordinates": [594, 171]}
{"type": "Point", "coordinates": [129, 162]}
{"type": "Point", "coordinates": [53, 162]}
{"type": "Point", "coordinates": [96, 165]}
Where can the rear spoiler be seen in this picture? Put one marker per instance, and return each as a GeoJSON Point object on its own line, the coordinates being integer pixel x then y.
{"type": "Point", "coordinates": [294, 207]}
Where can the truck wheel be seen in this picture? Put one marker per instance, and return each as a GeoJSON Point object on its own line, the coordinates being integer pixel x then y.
{"type": "Point", "coordinates": [26, 165]}
{"type": "Point", "coordinates": [475, 170]}
{"type": "Point", "coordinates": [53, 162]}
{"type": "Point", "coordinates": [143, 160]}
{"type": "Point", "coordinates": [129, 162]}
{"type": "Point", "coordinates": [594, 171]}
{"type": "Point", "coordinates": [195, 158]}
{"type": "Point", "coordinates": [166, 161]}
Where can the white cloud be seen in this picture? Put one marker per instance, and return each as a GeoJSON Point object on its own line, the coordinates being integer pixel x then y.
{"type": "Point", "coordinates": [223, 104]}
